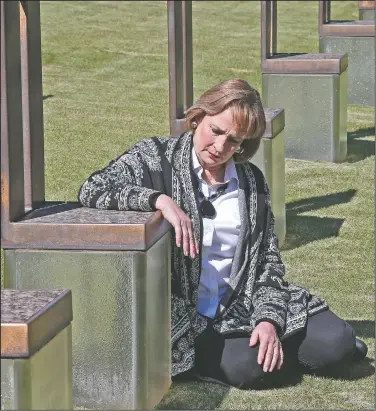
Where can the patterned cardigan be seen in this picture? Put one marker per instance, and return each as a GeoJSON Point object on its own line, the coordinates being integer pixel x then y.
{"type": "Point", "coordinates": [256, 289]}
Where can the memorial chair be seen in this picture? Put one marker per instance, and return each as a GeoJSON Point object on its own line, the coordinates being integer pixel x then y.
{"type": "Point", "coordinates": [270, 157]}
{"type": "Point", "coordinates": [117, 264]}
{"type": "Point", "coordinates": [367, 9]}
{"type": "Point", "coordinates": [36, 350]}
{"type": "Point", "coordinates": [356, 39]}
{"type": "Point", "coordinates": [312, 89]}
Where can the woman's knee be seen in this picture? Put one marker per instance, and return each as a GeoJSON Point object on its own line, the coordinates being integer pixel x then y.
{"type": "Point", "coordinates": [238, 364]}
{"type": "Point", "coordinates": [340, 345]}
{"type": "Point", "coordinates": [327, 345]}
{"type": "Point", "coordinates": [243, 375]}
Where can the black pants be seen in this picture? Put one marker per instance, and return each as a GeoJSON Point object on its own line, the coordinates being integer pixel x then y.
{"type": "Point", "coordinates": [325, 341]}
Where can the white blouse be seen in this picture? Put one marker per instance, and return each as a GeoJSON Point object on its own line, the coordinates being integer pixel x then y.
{"type": "Point", "coordinates": [220, 236]}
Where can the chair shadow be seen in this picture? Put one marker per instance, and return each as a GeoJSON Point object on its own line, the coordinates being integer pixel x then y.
{"type": "Point", "coordinates": [363, 328]}
{"type": "Point", "coordinates": [318, 202]}
{"type": "Point", "coordinates": [302, 230]}
{"type": "Point", "coordinates": [50, 208]}
{"type": "Point", "coordinates": [358, 150]}
{"type": "Point", "coordinates": [340, 21]}
{"type": "Point", "coordinates": [349, 371]}
{"type": "Point", "coordinates": [277, 56]}
{"type": "Point", "coordinates": [200, 394]}
{"type": "Point", "coordinates": [211, 394]}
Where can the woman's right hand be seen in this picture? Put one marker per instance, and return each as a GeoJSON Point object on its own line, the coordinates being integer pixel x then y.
{"type": "Point", "coordinates": [181, 222]}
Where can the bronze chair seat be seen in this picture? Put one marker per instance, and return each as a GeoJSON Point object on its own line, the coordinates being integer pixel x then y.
{"type": "Point", "coordinates": [305, 63]}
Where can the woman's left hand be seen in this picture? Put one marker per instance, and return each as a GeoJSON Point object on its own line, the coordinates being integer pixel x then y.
{"type": "Point", "coordinates": [270, 348]}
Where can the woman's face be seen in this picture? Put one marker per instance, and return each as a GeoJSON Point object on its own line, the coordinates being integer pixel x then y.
{"type": "Point", "coordinates": [215, 140]}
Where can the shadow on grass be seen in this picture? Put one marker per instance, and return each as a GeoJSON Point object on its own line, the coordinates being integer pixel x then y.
{"type": "Point", "coordinates": [207, 395]}
{"type": "Point", "coordinates": [350, 371]}
{"type": "Point", "coordinates": [358, 150]}
{"type": "Point", "coordinates": [363, 328]}
{"type": "Point", "coordinates": [191, 393]}
{"type": "Point", "coordinates": [201, 395]}
{"type": "Point", "coordinates": [302, 230]}
{"type": "Point", "coordinates": [47, 96]}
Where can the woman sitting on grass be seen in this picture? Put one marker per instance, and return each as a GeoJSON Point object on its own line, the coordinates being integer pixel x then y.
{"type": "Point", "coordinates": [235, 319]}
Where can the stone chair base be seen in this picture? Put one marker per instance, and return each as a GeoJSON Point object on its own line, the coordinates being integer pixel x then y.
{"type": "Point", "coordinates": [367, 15]}
{"type": "Point", "coordinates": [42, 381]}
{"type": "Point", "coordinates": [315, 113]}
{"type": "Point", "coordinates": [270, 158]}
{"type": "Point", "coordinates": [121, 326]}
{"type": "Point", "coordinates": [361, 55]}
{"type": "Point", "coordinates": [36, 349]}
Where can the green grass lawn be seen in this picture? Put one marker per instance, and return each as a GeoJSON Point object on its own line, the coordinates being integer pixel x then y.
{"type": "Point", "coordinates": [105, 79]}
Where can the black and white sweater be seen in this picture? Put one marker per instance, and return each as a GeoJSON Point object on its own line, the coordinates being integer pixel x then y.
{"type": "Point", "coordinates": [256, 291]}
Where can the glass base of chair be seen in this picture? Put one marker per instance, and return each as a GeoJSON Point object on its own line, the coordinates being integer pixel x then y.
{"type": "Point", "coordinates": [315, 113]}
{"type": "Point", "coordinates": [121, 319]}
{"type": "Point", "coordinates": [270, 159]}
{"type": "Point", "coordinates": [42, 381]}
{"type": "Point", "coordinates": [361, 57]}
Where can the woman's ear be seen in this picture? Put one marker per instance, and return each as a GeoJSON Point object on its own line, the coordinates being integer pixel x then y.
{"type": "Point", "coordinates": [198, 120]}
{"type": "Point", "coordinates": [195, 123]}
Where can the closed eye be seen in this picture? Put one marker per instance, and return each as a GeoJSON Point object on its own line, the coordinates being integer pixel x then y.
{"type": "Point", "coordinates": [234, 141]}
{"type": "Point", "coordinates": [216, 131]}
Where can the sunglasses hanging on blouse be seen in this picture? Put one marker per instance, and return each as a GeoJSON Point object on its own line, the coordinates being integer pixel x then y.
{"type": "Point", "coordinates": [206, 207]}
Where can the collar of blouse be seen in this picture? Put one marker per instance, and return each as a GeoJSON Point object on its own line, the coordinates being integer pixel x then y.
{"type": "Point", "coordinates": [230, 171]}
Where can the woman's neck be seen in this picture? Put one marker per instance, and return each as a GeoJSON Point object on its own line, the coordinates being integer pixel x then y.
{"type": "Point", "coordinates": [214, 176]}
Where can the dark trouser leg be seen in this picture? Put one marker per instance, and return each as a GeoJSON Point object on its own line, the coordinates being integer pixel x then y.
{"type": "Point", "coordinates": [231, 360]}
{"type": "Point", "coordinates": [328, 340]}
{"type": "Point", "coordinates": [325, 341]}
{"type": "Point", "coordinates": [228, 358]}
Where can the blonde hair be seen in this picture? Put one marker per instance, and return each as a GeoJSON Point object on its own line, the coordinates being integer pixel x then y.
{"type": "Point", "coordinates": [245, 104]}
